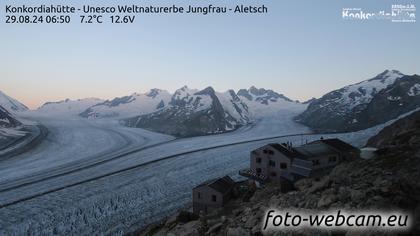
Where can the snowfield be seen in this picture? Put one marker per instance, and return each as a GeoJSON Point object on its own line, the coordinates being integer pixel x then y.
{"type": "Point", "coordinates": [98, 177]}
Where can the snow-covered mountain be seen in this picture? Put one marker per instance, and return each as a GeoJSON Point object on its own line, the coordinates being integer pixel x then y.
{"type": "Point", "coordinates": [129, 106]}
{"type": "Point", "coordinates": [262, 95]}
{"type": "Point", "coordinates": [365, 104]}
{"type": "Point", "coordinates": [68, 107]}
{"type": "Point", "coordinates": [7, 120]}
{"type": "Point", "coordinates": [191, 112]}
{"type": "Point", "coordinates": [262, 102]}
{"type": "Point", "coordinates": [11, 104]}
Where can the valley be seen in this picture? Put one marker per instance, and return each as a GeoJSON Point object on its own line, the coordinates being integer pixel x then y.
{"type": "Point", "coordinates": [141, 170]}
{"type": "Point", "coordinates": [113, 166]}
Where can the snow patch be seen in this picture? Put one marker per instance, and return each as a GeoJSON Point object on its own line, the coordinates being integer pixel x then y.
{"type": "Point", "coordinates": [414, 90]}
{"type": "Point", "coordinates": [391, 98]}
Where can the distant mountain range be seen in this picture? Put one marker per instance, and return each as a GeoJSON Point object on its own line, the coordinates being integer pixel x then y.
{"type": "Point", "coordinates": [191, 112]}
{"type": "Point", "coordinates": [365, 104]}
{"type": "Point", "coordinates": [129, 106]}
{"type": "Point", "coordinates": [68, 106]}
{"type": "Point", "coordinates": [187, 112]}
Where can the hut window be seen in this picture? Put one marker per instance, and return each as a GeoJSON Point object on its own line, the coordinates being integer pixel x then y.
{"type": "Point", "coordinates": [258, 159]}
{"type": "Point", "coordinates": [332, 159]}
{"type": "Point", "coordinates": [213, 198]}
{"type": "Point", "coordinates": [272, 163]}
{"type": "Point", "coordinates": [283, 165]}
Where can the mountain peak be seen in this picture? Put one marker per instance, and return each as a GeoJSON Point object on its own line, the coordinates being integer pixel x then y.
{"type": "Point", "coordinates": [207, 91]}
{"type": "Point", "coordinates": [252, 88]}
{"type": "Point", "coordinates": [262, 95]}
{"type": "Point", "coordinates": [257, 91]}
{"type": "Point", "coordinates": [153, 92]}
{"type": "Point", "coordinates": [364, 104]}
{"type": "Point", "coordinates": [185, 90]}
{"type": "Point", "coordinates": [390, 74]}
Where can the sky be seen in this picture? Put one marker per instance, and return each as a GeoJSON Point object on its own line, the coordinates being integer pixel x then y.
{"type": "Point", "coordinates": [301, 48]}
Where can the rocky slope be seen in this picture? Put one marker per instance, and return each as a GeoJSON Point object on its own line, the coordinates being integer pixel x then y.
{"type": "Point", "coordinates": [11, 104]}
{"type": "Point", "coordinates": [402, 132]}
{"type": "Point", "coordinates": [389, 181]}
{"type": "Point", "coordinates": [191, 113]}
{"type": "Point", "coordinates": [7, 120]}
{"type": "Point", "coordinates": [365, 104]}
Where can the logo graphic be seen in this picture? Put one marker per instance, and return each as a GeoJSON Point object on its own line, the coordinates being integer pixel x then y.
{"type": "Point", "coordinates": [398, 13]}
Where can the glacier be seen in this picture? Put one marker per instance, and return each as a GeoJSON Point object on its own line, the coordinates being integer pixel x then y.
{"type": "Point", "coordinates": [158, 174]}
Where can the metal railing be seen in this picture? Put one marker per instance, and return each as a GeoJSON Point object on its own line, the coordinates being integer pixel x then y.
{"type": "Point", "coordinates": [253, 175]}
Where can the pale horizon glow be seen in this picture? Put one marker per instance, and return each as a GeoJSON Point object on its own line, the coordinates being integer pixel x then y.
{"type": "Point", "coordinates": [54, 97]}
{"type": "Point", "coordinates": [301, 49]}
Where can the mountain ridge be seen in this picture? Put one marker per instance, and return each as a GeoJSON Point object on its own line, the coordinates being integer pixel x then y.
{"type": "Point", "coordinates": [364, 104]}
{"type": "Point", "coordinates": [11, 104]}
{"type": "Point", "coordinates": [192, 113]}
{"type": "Point", "coordinates": [68, 106]}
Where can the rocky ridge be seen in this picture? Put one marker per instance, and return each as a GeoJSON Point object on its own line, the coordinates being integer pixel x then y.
{"type": "Point", "coordinates": [365, 104]}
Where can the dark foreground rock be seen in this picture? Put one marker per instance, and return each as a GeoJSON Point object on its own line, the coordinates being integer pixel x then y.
{"type": "Point", "coordinates": [397, 134]}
